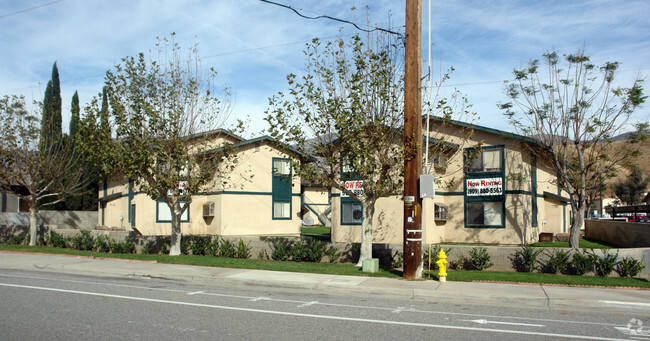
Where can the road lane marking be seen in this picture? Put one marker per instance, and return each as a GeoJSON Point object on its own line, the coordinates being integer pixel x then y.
{"type": "Point", "coordinates": [483, 321]}
{"type": "Point", "coordinates": [254, 299]}
{"type": "Point", "coordinates": [324, 317]}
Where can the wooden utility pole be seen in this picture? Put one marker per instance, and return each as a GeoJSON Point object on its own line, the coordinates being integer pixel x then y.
{"type": "Point", "coordinates": [412, 141]}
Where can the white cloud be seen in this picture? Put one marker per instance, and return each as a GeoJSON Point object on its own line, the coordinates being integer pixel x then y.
{"type": "Point", "coordinates": [482, 40]}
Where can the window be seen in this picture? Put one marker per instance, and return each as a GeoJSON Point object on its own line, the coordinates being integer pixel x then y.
{"type": "Point", "coordinates": [281, 167]}
{"type": "Point", "coordinates": [351, 213]}
{"type": "Point", "coordinates": [281, 210]}
{"type": "Point", "coordinates": [441, 212]}
{"type": "Point", "coordinates": [489, 160]}
{"type": "Point", "coordinates": [485, 188]}
{"type": "Point", "coordinates": [132, 215]}
{"type": "Point", "coordinates": [164, 214]}
{"type": "Point", "coordinates": [489, 214]}
{"type": "Point", "coordinates": [281, 188]}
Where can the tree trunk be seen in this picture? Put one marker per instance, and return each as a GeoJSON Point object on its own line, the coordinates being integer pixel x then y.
{"type": "Point", "coordinates": [33, 224]}
{"type": "Point", "coordinates": [366, 231]}
{"type": "Point", "coordinates": [175, 247]}
{"type": "Point", "coordinates": [577, 225]}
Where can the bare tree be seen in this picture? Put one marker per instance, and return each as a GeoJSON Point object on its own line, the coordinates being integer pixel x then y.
{"type": "Point", "coordinates": [573, 111]}
{"type": "Point", "coordinates": [49, 175]}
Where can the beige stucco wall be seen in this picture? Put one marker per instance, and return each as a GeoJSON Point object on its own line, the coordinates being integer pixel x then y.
{"type": "Point", "coordinates": [316, 202]}
{"type": "Point", "coordinates": [450, 188]}
{"type": "Point", "coordinates": [243, 206]}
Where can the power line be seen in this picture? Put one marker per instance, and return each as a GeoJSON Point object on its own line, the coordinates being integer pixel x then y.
{"type": "Point", "coordinates": [29, 9]}
{"type": "Point", "coordinates": [335, 19]}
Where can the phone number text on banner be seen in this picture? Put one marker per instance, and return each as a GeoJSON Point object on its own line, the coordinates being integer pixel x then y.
{"type": "Point", "coordinates": [488, 186]}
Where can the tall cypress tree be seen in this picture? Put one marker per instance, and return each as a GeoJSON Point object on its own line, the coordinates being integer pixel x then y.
{"type": "Point", "coordinates": [57, 131]}
{"type": "Point", "coordinates": [51, 123]}
{"type": "Point", "coordinates": [103, 118]}
{"type": "Point", "coordinates": [46, 121]}
{"type": "Point", "coordinates": [74, 119]}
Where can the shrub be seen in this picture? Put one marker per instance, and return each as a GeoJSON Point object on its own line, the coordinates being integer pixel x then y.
{"type": "Point", "coordinates": [435, 250]}
{"type": "Point", "coordinates": [213, 247]}
{"type": "Point", "coordinates": [55, 239]}
{"type": "Point", "coordinates": [629, 267]}
{"type": "Point", "coordinates": [604, 265]}
{"type": "Point", "coordinates": [280, 251]}
{"type": "Point", "coordinates": [479, 259]}
{"type": "Point", "coordinates": [83, 241]}
{"type": "Point", "coordinates": [200, 245]}
{"type": "Point", "coordinates": [397, 259]}
{"type": "Point", "coordinates": [146, 249]}
{"type": "Point", "coordinates": [298, 252]}
{"type": "Point", "coordinates": [525, 259]}
{"type": "Point", "coordinates": [102, 243]}
{"type": "Point", "coordinates": [313, 250]}
{"type": "Point", "coordinates": [262, 254]}
{"type": "Point", "coordinates": [243, 249]}
{"type": "Point", "coordinates": [186, 243]}
{"type": "Point", "coordinates": [17, 239]}
{"type": "Point", "coordinates": [127, 246]}
{"type": "Point", "coordinates": [227, 249]}
{"type": "Point", "coordinates": [333, 254]}
{"type": "Point", "coordinates": [582, 263]}
{"type": "Point", "coordinates": [558, 261]}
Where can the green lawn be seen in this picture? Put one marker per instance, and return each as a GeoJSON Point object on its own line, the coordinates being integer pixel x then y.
{"type": "Point", "coordinates": [321, 230]}
{"type": "Point", "coordinates": [584, 243]}
{"type": "Point", "coordinates": [345, 269]}
{"type": "Point", "coordinates": [540, 278]}
{"type": "Point", "coordinates": [322, 268]}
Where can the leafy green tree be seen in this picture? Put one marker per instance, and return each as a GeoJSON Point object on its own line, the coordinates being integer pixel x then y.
{"type": "Point", "coordinates": [573, 109]}
{"type": "Point", "coordinates": [346, 111]}
{"type": "Point", "coordinates": [631, 190]}
{"type": "Point", "coordinates": [165, 114]}
{"type": "Point", "coordinates": [49, 175]}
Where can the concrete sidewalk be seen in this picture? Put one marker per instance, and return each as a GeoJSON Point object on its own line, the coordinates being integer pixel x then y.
{"type": "Point", "coordinates": [544, 296]}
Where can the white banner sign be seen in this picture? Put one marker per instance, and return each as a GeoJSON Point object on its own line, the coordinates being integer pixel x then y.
{"type": "Point", "coordinates": [355, 186]}
{"type": "Point", "coordinates": [487, 186]}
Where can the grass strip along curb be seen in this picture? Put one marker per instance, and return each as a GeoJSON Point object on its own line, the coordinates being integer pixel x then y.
{"type": "Point", "coordinates": [345, 269]}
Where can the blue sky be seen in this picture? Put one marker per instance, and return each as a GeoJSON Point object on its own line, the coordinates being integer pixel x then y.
{"type": "Point", "coordinates": [254, 45]}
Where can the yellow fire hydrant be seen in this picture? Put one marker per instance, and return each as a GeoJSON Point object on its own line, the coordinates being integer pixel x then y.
{"type": "Point", "coordinates": [442, 266]}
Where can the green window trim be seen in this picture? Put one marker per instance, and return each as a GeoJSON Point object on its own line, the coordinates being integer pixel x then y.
{"type": "Point", "coordinates": [162, 201]}
{"type": "Point", "coordinates": [348, 201]}
{"type": "Point", "coordinates": [281, 190]}
{"type": "Point", "coordinates": [469, 200]}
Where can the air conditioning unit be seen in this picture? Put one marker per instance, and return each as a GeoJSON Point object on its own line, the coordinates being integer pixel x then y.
{"type": "Point", "coordinates": [208, 209]}
{"type": "Point", "coordinates": [441, 212]}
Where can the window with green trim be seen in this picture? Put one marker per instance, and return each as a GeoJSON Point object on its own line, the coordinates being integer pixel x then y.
{"type": "Point", "coordinates": [164, 214]}
{"type": "Point", "coordinates": [485, 188]}
{"type": "Point", "coordinates": [281, 188]}
{"type": "Point", "coordinates": [485, 214]}
{"type": "Point", "coordinates": [489, 160]}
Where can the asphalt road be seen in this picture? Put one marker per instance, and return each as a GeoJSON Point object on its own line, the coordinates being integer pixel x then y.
{"type": "Point", "coordinates": [40, 305]}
